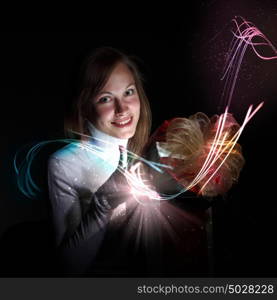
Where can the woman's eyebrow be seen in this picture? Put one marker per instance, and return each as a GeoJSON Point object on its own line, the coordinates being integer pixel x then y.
{"type": "Point", "coordinates": [132, 83]}
{"type": "Point", "coordinates": [105, 92]}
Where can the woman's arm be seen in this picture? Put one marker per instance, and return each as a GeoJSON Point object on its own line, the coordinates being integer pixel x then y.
{"type": "Point", "coordinates": [78, 236]}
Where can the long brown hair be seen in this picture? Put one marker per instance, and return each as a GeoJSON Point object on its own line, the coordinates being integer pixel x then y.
{"type": "Point", "coordinates": [95, 73]}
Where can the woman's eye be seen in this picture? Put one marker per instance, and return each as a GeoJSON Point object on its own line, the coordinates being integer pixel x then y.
{"type": "Point", "coordinates": [104, 100]}
{"type": "Point", "coordinates": [130, 92]}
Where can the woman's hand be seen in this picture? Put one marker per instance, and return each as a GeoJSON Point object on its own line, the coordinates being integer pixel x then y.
{"type": "Point", "coordinates": [114, 191]}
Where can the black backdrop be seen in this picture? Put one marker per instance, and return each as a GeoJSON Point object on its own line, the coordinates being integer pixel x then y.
{"type": "Point", "coordinates": [182, 66]}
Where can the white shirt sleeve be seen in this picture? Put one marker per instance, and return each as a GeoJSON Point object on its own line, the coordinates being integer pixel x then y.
{"type": "Point", "coordinates": [78, 236]}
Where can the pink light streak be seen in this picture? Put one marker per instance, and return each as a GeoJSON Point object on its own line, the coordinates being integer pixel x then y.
{"type": "Point", "coordinates": [244, 34]}
{"type": "Point", "coordinates": [234, 138]}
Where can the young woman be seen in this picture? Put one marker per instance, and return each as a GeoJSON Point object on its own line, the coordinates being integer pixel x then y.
{"type": "Point", "coordinates": [111, 115]}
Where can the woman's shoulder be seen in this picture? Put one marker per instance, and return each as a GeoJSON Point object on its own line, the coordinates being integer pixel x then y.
{"type": "Point", "coordinates": [66, 157]}
{"type": "Point", "coordinates": [80, 164]}
{"type": "Point", "coordinates": [81, 156]}
{"type": "Point", "coordinates": [67, 152]}
{"type": "Point", "coordinates": [68, 163]}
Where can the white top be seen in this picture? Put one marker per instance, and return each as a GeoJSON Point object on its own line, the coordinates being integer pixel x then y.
{"type": "Point", "coordinates": [75, 173]}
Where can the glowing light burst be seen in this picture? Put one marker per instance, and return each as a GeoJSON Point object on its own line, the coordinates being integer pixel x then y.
{"type": "Point", "coordinates": [140, 187]}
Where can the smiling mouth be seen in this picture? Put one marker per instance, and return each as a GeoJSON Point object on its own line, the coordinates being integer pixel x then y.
{"type": "Point", "coordinates": [123, 123]}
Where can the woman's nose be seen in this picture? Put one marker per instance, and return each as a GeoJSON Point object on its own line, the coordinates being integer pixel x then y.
{"type": "Point", "coordinates": [120, 106]}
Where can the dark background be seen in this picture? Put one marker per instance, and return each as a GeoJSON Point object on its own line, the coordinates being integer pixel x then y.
{"type": "Point", "coordinates": [182, 65]}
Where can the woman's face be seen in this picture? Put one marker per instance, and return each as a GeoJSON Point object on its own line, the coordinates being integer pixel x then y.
{"type": "Point", "coordinates": [117, 106]}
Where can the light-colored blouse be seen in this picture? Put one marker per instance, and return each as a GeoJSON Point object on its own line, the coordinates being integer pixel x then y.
{"type": "Point", "coordinates": [75, 173]}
